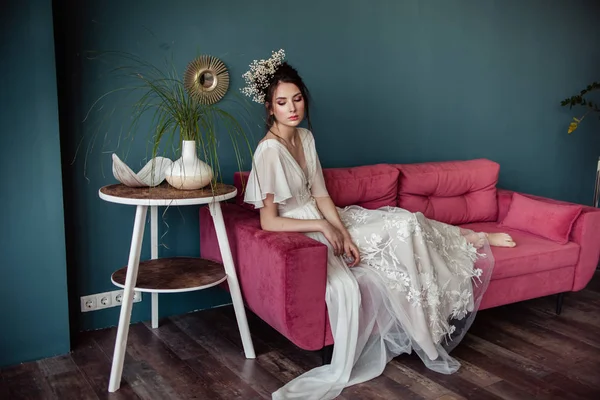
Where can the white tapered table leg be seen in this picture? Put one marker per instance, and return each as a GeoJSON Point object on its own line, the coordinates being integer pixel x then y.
{"type": "Point", "coordinates": [234, 287]}
{"type": "Point", "coordinates": [154, 310]}
{"type": "Point", "coordinates": [125, 316]}
{"type": "Point", "coordinates": [154, 256]}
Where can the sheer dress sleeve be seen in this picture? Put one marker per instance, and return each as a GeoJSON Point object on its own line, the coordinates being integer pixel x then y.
{"type": "Point", "coordinates": [267, 177]}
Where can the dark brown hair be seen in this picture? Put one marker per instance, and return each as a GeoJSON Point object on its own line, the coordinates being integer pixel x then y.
{"type": "Point", "coordinates": [288, 74]}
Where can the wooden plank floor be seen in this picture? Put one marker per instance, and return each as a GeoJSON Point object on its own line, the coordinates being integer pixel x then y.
{"type": "Point", "coordinates": [519, 351]}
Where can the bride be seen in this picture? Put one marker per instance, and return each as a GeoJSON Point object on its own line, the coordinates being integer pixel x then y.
{"type": "Point", "coordinates": [396, 281]}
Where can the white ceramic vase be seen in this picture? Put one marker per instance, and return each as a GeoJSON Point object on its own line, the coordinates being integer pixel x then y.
{"type": "Point", "coordinates": [189, 172]}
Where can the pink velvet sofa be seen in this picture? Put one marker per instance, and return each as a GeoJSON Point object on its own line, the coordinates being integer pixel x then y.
{"type": "Point", "coordinates": [282, 275]}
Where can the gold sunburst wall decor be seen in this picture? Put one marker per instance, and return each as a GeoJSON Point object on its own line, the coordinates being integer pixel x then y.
{"type": "Point", "coordinates": [206, 79]}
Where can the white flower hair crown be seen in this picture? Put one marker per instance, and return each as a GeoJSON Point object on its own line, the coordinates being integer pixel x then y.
{"type": "Point", "coordinates": [260, 74]}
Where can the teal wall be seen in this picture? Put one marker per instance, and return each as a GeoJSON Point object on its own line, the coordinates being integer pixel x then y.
{"type": "Point", "coordinates": [392, 81]}
{"type": "Point", "coordinates": [33, 282]}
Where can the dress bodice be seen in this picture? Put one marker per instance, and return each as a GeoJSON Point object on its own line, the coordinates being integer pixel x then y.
{"type": "Point", "coordinates": [275, 171]}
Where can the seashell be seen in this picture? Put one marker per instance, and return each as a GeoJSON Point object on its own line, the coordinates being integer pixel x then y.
{"type": "Point", "coordinates": [152, 174]}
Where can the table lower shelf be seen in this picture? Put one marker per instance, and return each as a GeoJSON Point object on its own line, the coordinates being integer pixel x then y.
{"type": "Point", "coordinates": [174, 275]}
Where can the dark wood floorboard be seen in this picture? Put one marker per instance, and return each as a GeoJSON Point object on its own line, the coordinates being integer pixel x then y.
{"type": "Point", "coordinates": [518, 351]}
{"type": "Point", "coordinates": [26, 381]}
{"type": "Point", "coordinates": [3, 388]}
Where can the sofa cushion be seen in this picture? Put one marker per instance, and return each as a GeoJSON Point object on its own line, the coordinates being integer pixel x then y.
{"type": "Point", "coordinates": [531, 254]}
{"type": "Point", "coordinates": [454, 192]}
{"type": "Point", "coordinates": [369, 186]}
{"type": "Point", "coordinates": [548, 220]}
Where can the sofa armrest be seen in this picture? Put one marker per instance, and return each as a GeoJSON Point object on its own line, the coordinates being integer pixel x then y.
{"type": "Point", "coordinates": [282, 275]}
{"type": "Point", "coordinates": [585, 232]}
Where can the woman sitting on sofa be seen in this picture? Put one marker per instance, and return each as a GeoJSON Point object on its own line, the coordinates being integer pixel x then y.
{"type": "Point", "coordinates": [396, 280]}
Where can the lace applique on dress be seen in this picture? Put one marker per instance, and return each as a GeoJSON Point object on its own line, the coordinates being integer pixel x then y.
{"type": "Point", "coordinates": [392, 231]}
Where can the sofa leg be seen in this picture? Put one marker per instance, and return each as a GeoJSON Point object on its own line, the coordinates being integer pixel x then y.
{"type": "Point", "coordinates": [559, 303]}
{"type": "Point", "coordinates": [327, 353]}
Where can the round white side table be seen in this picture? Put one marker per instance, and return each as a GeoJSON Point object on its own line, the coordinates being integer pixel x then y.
{"type": "Point", "coordinates": [174, 274]}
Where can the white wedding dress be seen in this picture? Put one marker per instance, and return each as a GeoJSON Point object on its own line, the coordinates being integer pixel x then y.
{"type": "Point", "coordinates": [417, 288]}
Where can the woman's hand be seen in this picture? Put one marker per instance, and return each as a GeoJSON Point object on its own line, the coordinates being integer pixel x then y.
{"type": "Point", "coordinates": [351, 251]}
{"type": "Point", "coordinates": [334, 236]}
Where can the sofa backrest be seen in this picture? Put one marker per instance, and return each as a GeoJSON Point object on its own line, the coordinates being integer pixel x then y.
{"type": "Point", "coordinates": [454, 192]}
{"type": "Point", "coordinates": [369, 186]}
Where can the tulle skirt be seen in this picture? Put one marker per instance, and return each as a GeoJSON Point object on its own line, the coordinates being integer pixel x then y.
{"type": "Point", "coordinates": [417, 288]}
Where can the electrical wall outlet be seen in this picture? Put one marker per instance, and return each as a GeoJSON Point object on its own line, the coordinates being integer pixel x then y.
{"type": "Point", "coordinates": [88, 303]}
{"type": "Point", "coordinates": [117, 297]}
{"type": "Point", "coordinates": [99, 301]}
{"type": "Point", "coordinates": [103, 300]}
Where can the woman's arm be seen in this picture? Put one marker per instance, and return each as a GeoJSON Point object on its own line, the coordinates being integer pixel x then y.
{"type": "Point", "coordinates": [271, 221]}
{"type": "Point", "coordinates": [331, 214]}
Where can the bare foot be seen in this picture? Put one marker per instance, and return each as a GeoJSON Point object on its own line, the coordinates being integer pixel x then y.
{"type": "Point", "coordinates": [477, 239]}
{"type": "Point", "coordinates": [501, 240]}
